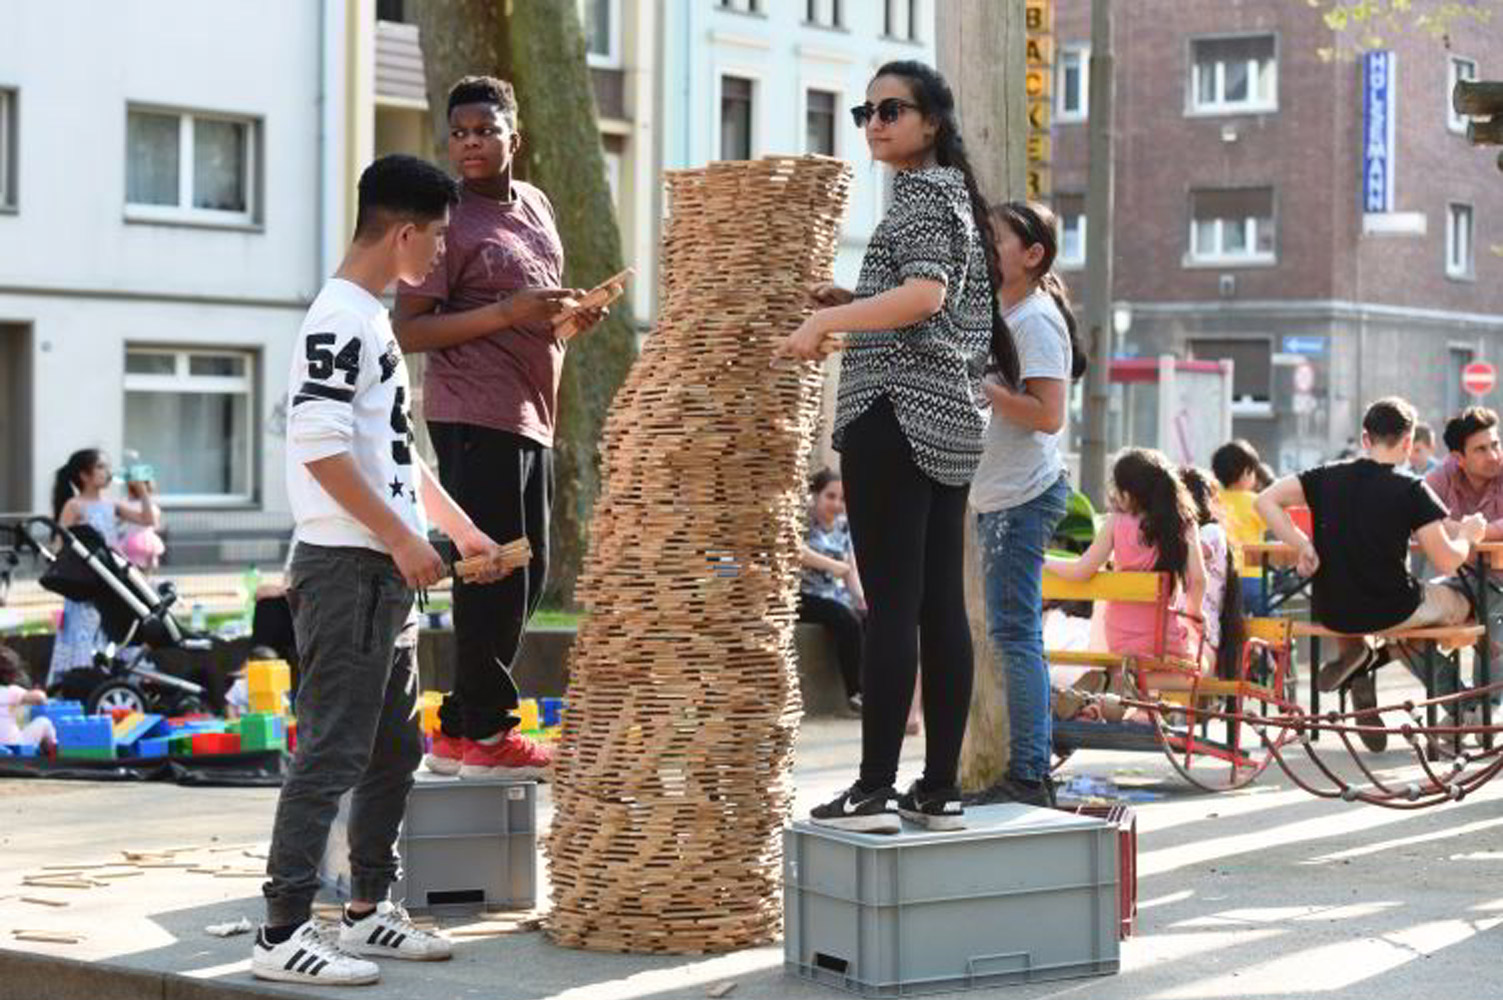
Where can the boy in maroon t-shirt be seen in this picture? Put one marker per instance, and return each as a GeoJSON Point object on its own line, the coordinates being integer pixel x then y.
{"type": "Point", "coordinates": [490, 396]}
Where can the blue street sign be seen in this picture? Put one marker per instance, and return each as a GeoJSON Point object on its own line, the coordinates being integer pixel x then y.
{"type": "Point", "coordinates": [1304, 344]}
{"type": "Point", "coordinates": [1379, 111]}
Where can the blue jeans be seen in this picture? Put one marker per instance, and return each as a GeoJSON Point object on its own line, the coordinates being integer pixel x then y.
{"type": "Point", "coordinates": [1012, 561]}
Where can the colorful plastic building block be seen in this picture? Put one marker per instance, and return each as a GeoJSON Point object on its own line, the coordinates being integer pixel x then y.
{"type": "Point", "coordinates": [263, 731]}
{"type": "Point", "coordinates": [180, 744]}
{"type": "Point", "coordinates": [528, 710]}
{"type": "Point", "coordinates": [133, 727]}
{"type": "Point", "coordinates": [553, 712]}
{"type": "Point", "coordinates": [291, 735]}
{"type": "Point", "coordinates": [431, 700]}
{"type": "Point", "coordinates": [215, 743]}
{"type": "Point", "coordinates": [268, 682]}
{"type": "Point", "coordinates": [154, 746]}
{"type": "Point", "coordinates": [55, 710]}
{"type": "Point", "coordinates": [20, 750]}
{"type": "Point", "coordinates": [91, 736]}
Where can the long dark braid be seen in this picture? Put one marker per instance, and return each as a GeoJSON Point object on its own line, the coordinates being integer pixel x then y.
{"type": "Point", "coordinates": [936, 101]}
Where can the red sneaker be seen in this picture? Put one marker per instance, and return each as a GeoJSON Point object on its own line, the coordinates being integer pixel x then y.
{"type": "Point", "coordinates": [514, 757]}
{"type": "Point", "coordinates": [446, 756]}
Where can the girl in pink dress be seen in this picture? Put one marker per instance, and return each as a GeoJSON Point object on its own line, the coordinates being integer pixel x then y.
{"type": "Point", "coordinates": [1152, 527]}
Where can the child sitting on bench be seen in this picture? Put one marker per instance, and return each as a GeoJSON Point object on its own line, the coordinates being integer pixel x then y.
{"type": "Point", "coordinates": [1153, 529]}
{"type": "Point", "coordinates": [1363, 512]}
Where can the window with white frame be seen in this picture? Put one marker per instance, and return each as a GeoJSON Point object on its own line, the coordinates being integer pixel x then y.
{"type": "Point", "coordinates": [1069, 209]}
{"type": "Point", "coordinates": [1229, 75]}
{"type": "Point", "coordinates": [736, 94]}
{"type": "Point", "coordinates": [900, 19]}
{"type": "Point", "coordinates": [819, 122]}
{"type": "Point", "coordinates": [7, 148]}
{"type": "Point", "coordinates": [601, 20]}
{"type": "Point", "coordinates": [190, 167]}
{"type": "Point", "coordinates": [1232, 226]}
{"type": "Point", "coordinates": [824, 13]}
{"type": "Point", "coordinates": [1460, 262]}
{"type": "Point", "coordinates": [189, 412]}
{"type": "Point", "coordinates": [1459, 69]}
{"type": "Point", "coordinates": [1072, 84]}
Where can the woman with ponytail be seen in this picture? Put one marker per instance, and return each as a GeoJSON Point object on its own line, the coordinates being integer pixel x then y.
{"type": "Point", "coordinates": [908, 424]}
{"type": "Point", "coordinates": [78, 498]}
{"type": "Point", "coordinates": [1021, 487]}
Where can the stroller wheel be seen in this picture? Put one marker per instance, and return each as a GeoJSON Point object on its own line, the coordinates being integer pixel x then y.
{"type": "Point", "coordinates": [115, 695]}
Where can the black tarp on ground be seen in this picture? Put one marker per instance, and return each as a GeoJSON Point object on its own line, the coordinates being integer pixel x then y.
{"type": "Point", "coordinates": [256, 769]}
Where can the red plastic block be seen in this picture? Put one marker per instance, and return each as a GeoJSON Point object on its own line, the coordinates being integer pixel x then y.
{"type": "Point", "coordinates": [211, 743]}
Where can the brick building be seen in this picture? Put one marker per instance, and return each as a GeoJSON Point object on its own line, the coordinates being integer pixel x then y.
{"type": "Point", "coordinates": [1254, 220]}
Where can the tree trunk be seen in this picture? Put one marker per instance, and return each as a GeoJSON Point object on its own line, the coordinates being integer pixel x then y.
{"type": "Point", "coordinates": [539, 46]}
{"type": "Point", "coordinates": [980, 52]}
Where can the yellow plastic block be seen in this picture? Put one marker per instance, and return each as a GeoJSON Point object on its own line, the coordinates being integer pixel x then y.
{"type": "Point", "coordinates": [126, 723]}
{"type": "Point", "coordinates": [268, 675]}
{"type": "Point", "coordinates": [430, 719]}
{"type": "Point", "coordinates": [528, 710]}
{"type": "Point", "coordinates": [274, 702]}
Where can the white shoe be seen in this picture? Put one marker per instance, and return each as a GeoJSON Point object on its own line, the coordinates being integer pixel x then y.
{"type": "Point", "coordinates": [310, 956]}
{"type": "Point", "coordinates": [389, 933]}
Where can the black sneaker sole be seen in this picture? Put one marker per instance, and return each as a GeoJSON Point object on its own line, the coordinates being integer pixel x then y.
{"type": "Point", "coordinates": [932, 821]}
{"type": "Point", "coordinates": [886, 822]}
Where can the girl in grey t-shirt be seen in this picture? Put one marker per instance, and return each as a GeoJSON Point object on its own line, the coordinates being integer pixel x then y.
{"type": "Point", "coordinates": [1020, 489]}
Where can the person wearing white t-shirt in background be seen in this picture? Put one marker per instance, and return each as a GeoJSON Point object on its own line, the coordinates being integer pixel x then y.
{"type": "Point", "coordinates": [1021, 487]}
{"type": "Point", "coordinates": [358, 493]}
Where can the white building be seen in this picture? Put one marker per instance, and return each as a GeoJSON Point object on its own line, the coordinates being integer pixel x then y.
{"type": "Point", "coordinates": [165, 184]}
{"type": "Point", "coordinates": [175, 186]}
{"type": "Point", "coordinates": [749, 78]}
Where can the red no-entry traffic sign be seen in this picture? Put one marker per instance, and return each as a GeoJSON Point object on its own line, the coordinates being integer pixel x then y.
{"type": "Point", "coordinates": [1478, 378]}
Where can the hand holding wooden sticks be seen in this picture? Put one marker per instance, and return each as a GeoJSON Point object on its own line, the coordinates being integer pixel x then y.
{"type": "Point", "coordinates": [509, 557]}
{"type": "Point", "coordinates": [567, 323]}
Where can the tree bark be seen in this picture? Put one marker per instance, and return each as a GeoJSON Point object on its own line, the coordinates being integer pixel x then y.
{"type": "Point", "coordinates": [539, 46]}
{"type": "Point", "coordinates": [980, 51]}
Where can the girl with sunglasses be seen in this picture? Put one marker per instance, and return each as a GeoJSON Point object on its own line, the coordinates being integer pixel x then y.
{"type": "Point", "coordinates": [908, 424]}
{"type": "Point", "coordinates": [1021, 488]}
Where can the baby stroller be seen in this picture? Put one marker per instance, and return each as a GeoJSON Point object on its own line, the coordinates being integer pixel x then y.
{"type": "Point", "coordinates": [134, 617]}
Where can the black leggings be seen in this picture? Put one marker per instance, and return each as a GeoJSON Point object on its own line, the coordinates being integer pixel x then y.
{"type": "Point", "coordinates": [909, 535]}
{"type": "Point", "coordinates": [845, 625]}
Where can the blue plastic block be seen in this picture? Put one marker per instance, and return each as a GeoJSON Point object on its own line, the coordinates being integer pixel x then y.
{"type": "Point", "coordinates": [95, 733]}
{"type": "Point", "coordinates": [153, 746]}
{"type": "Point", "coordinates": [553, 712]}
{"type": "Point", "coordinates": [19, 750]}
{"type": "Point", "coordinates": [139, 727]}
{"type": "Point", "coordinates": [56, 710]}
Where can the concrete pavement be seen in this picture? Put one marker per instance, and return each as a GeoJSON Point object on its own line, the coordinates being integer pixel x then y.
{"type": "Point", "coordinates": [1266, 892]}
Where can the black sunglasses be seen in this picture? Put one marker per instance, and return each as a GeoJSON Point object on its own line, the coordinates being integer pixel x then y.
{"type": "Point", "coordinates": [888, 111]}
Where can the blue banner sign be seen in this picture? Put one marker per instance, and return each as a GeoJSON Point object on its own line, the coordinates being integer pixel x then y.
{"type": "Point", "coordinates": [1304, 344]}
{"type": "Point", "coordinates": [1379, 111]}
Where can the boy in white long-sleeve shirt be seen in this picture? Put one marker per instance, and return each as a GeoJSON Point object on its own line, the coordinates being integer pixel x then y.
{"type": "Point", "coordinates": [358, 493]}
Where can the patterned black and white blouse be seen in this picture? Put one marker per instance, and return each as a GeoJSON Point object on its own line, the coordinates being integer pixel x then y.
{"type": "Point", "coordinates": [930, 371]}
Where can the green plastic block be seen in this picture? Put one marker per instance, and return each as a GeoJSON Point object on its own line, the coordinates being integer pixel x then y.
{"type": "Point", "coordinates": [94, 753]}
{"type": "Point", "coordinates": [263, 731]}
{"type": "Point", "coordinates": [181, 746]}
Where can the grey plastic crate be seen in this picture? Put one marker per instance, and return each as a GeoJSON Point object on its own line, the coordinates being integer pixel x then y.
{"type": "Point", "coordinates": [1022, 895]}
{"type": "Point", "coordinates": [465, 845]}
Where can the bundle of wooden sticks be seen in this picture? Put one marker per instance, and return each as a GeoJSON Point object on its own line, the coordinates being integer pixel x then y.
{"type": "Point", "coordinates": [511, 556]}
{"type": "Point", "coordinates": [567, 323]}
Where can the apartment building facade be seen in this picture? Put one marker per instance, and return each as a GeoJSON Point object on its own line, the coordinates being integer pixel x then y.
{"type": "Point", "coordinates": [1322, 223]}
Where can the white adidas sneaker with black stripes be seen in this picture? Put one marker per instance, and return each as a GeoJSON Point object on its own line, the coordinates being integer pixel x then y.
{"type": "Point", "coordinates": [310, 956]}
{"type": "Point", "coordinates": [389, 933]}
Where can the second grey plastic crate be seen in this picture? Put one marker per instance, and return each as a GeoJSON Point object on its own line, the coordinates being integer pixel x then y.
{"type": "Point", "coordinates": [465, 845]}
{"type": "Point", "coordinates": [1022, 895]}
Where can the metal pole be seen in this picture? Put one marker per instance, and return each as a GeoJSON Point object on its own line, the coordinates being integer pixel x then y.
{"type": "Point", "coordinates": [1099, 201]}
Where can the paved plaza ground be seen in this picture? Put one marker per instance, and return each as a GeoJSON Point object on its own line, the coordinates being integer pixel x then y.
{"type": "Point", "coordinates": [1263, 893]}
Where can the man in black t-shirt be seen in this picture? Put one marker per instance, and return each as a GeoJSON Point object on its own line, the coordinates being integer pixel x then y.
{"type": "Point", "coordinates": [1363, 511]}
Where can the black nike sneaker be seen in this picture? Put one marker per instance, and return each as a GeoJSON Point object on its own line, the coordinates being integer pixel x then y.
{"type": "Point", "coordinates": [860, 811]}
{"type": "Point", "coordinates": [936, 809]}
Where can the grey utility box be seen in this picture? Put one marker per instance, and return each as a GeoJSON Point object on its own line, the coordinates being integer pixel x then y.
{"type": "Point", "coordinates": [1020, 896]}
{"type": "Point", "coordinates": [465, 845]}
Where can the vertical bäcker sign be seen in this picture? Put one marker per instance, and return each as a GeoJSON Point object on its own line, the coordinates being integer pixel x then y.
{"type": "Point", "coordinates": [1379, 111]}
{"type": "Point", "coordinates": [1038, 85]}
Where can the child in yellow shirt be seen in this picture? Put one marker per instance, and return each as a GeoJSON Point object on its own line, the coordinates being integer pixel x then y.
{"type": "Point", "coordinates": [1236, 467]}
